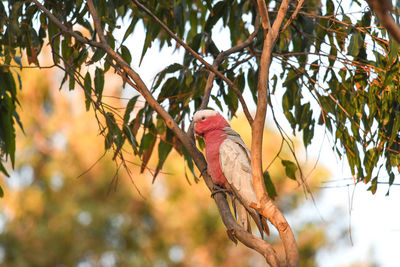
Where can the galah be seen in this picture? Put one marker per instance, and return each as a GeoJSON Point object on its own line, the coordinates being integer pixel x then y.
{"type": "Point", "coordinates": [228, 161]}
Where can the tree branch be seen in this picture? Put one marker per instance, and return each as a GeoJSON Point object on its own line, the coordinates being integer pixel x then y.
{"type": "Point", "coordinates": [265, 205]}
{"type": "Point", "coordinates": [198, 57]}
{"type": "Point", "coordinates": [263, 11]}
{"type": "Point", "coordinates": [279, 19]}
{"type": "Point", "coordinates": [245, 237]}
{"type": "Point", "coordinates": [27, 67]}
{"type": "Point", "coordinates": [382, 9]}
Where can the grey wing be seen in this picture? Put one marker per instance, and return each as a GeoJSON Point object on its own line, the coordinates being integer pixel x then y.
{"type": "Point", "coordinates": [234, 136]}
{"type": "Point", "coordinates": [235, 165]}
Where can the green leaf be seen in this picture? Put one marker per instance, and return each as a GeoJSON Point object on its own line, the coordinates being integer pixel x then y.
{"type": "Point", "coordinates": [374, 185]}
{"type": "Point", "coordinates": [241, 82]}
{"type": "Point", "coordinates": [179, 17]}
{"type": "Point", "coordinates": [290, 169]}
{"type": "Point", "coordinates": [18, 120]}
{"type": "Point", "coordinates": [98, 54]}
{"type": "Point", "coordinates": [163, 150]}
{"type": "Point", "coordinates": [82, 56]}
{"type": "Point", "coordinates": [269, 185]}
{"type": "Point", "coordinates": [391, 178]}
{"type": "Point", "coordinates": [393, 50]}
{"type": "Point", "coordinates": [169, 88]}
{"type": "Point", "coordinates": [275, 82]}
{"type": "Point", "coordinates": [114, 134]}
{"type": "Point", "coordinates": [200, 142]}
{"type": "Point", "coordinates": [153, 29]}
{"type": "Point", "coordinates": [189, 162]}
{"type": "Point", "coordinates": [395, 128]}
{"type": "Point", "coordinates": [218, 11]}
{"type": "Point", "coordinates": [3, 169]}
{"type": "Point", "coordinates": [161, 75]}
{"type": "Point", "coordinates": [7, 130]}
{"type": "Point", "coordinates": [147, 141]}
{"type": "Point", "coordinates": [126, 55]}
{"type": "Point", "coordinates": [216, 100]}
{"type": "Point", "coordinates": [130, 29]}
{"type": "Point", "coordinates": [71, 84]}
{"type": "Point", "coordinates": [356, 43]}
{"type": "Point", "coordinates": [232, 101]}
{"type": "Point", "coordinates": [160, 126]}
{"type": "Point", "coordinates": [1, 192]}
{"type": "Point", "coordinates": [88, 90]}
{"type": "Point", "coordinates": [394, 159]}
{"type": "Point", "coordinates": [195, 45]}
{"type": "Point", "coordinates": [8, 82]}
{"type": "Point", "coordinates": [370, 160]}
{"type": "Point", "coordinates": [129, 108]}
{"type": "Point", "coordinates": [19, 80]}
{"type": "Point", "coordinates": [99, 83]}
{"type": "Point", "coordinates": [308, 134]}
{"type": "Point", "coordinates": [131, 138]}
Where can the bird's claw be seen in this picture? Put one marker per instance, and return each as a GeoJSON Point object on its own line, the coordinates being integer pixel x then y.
{"type": "Point", "coordinates": [218, 189]}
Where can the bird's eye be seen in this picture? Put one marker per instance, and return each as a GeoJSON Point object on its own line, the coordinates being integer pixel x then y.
{"type": "Point", "coordinates": [203, 118]}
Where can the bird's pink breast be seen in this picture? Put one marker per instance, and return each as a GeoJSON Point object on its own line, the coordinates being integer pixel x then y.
{"type": "Point", "coordinates": [213, 141]}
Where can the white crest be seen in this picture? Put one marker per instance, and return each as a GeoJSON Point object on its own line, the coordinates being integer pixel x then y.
{"type": "Point", "coordinates": [204, 113]}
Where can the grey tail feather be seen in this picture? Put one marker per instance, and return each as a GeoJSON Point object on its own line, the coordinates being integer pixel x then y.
{"type": "Point", "coordinates": [258, 220]}
{"type": "Point", "coordinates": [265, 225]}
{"type": "Point", "coordinates": [234, 207]}
{"type": "Point", "coordinates": [261, 222]}
{"type": "Point", "coordinates": [248, 223]}
{"type": "Point", "coordinates": [243, 216]}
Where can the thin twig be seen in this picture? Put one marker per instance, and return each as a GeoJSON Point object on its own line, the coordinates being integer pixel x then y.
{"type": "Point", "coordinates": [92, 166]}
{"type": "Point", "coordinates": [294, 14]}
{"type": "Point", "coordinates": [27, 67]}
{"type": "Point", "coordinates": [279, 19]}
{"type": "Point", "coordinates": [263, 11]}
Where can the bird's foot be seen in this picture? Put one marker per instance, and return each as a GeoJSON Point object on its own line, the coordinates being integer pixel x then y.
{"type": "Point", "coordinates": [217, 189]}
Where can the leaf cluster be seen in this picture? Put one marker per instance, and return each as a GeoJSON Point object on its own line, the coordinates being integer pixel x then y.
{"type": "Point", "coordinates": [332, 69]}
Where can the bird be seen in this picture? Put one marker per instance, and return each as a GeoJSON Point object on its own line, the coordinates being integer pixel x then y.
{"type": "Point", "coordinates": [228, 163]}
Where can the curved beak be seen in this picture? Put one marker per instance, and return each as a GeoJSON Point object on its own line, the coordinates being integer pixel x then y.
{"type": "Point", "coordinates": [196, 133]}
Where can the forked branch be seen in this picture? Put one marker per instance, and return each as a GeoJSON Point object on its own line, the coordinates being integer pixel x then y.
{"type": "Point", "coordinates": [265, 205]}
